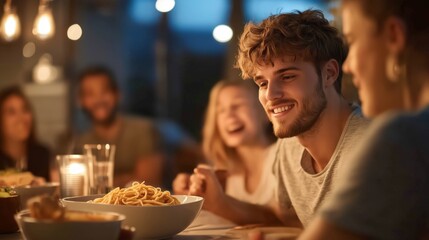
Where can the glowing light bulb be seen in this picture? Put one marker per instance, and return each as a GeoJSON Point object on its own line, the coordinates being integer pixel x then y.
{"type": "Point", "coordinates": [10, 27]}
{"type": "Point", "coordinates": [44, 26]}
{"type": "Point", "coordinates": [222, 33]}
{"type": "Point", "coordinates": [165, 5]}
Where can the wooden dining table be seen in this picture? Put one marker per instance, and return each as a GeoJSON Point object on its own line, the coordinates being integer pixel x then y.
{"type": "Point", "coordinates": [208, 226]}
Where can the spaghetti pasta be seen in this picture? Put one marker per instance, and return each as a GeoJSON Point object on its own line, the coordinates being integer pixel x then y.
{"type": "Point", "coordinates": [138, 194]}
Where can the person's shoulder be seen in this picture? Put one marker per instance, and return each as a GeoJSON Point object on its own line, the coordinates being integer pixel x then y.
{"type": "Point", "coordinates": [396, 144]}
{"type": "Point", "coordinates": [401, 124]}
{"type": "Point", "coordinates": [398, 135]}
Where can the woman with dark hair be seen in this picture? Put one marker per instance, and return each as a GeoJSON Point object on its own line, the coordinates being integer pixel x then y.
{"type": "Point", "coordinates": [19, 148]}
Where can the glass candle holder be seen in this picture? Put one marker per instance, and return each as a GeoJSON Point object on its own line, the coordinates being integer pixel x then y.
{"type": "Point", "coordinates": [75, 174]}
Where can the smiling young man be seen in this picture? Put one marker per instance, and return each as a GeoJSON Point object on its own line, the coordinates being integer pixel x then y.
{"type": "Point", "coordinates": [296, 59]}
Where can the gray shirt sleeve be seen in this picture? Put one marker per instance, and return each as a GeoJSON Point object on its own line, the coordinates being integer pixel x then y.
{"type": "Point", "coordinates": [384, 194]}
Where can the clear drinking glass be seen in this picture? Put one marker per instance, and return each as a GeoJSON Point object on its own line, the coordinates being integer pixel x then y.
{"type": "Point", "coordinates": [75, 175]}
{"type": "Point", "coordinates": [102, 156]}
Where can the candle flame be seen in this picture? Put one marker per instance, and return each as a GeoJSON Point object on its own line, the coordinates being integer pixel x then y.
{"type": "Point", "coordinates": [76, 168]}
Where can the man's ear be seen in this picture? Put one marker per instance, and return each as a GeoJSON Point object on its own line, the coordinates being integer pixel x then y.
{"type": "Point", "coordinates": [330, 72]}
{"type": "Point", "coordinates": [395, 32]}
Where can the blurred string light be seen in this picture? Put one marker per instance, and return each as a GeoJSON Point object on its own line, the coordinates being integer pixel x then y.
{"type": "Point", "coordinates": [29, 49]}
{"type": "Point", "coordinates": [165, 5]}
{"type": "Point", "coordinates": [74, 32]}
{"type": "Point", "coordinates": [44, 27]}
{"type": "Point", "coordinates": [10, 27]}
{"type": "Point", "coordinates": [222, 33]}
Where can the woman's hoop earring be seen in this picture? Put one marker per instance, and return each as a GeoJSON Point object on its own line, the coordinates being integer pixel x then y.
{"type": "Point", "coordinates": [394, 70]}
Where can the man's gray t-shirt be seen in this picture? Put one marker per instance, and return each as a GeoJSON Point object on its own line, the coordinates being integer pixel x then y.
{"type": "Point", "coordinates": [385, 192]}
{"type": "Point", "coordinates": [138, 137]}
{"type": "Point", "coordinates": [299, 187]}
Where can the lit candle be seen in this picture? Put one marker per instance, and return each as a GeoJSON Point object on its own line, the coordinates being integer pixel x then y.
{"type": "Point", "coordinates": [75, 180]}
{"type": "Point", "coordinates": [76, 169]}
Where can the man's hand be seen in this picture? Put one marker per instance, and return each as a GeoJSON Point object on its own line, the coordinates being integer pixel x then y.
{"type": "Point", "coordinates": [204, 183]}
{"type": "Point", "coordinates": [181, 183]}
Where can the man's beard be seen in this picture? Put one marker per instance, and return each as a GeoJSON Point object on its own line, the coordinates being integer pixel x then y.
{"type": "Point", "coordinates": [312, 106]}
{"type": "Point", "coordinates": [109, 120]}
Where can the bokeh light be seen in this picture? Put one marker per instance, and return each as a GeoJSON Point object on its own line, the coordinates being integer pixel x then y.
{"type": "Point", "coordinates": [74, 32]}
{"type": "Point", "coordinates": [222, 33]}
{"type": "Point", "coordinates": [165, 5]}
{"type": "Point", "coordinates": [29, 49]}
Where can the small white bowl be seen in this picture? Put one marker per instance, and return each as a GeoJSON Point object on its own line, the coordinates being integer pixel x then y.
{"type": "Point", "coordinates": [34, 229]}
{"type": "Point", "coordinates": [27, 192]}
{"type": "Point", "coordinates": [151, 222]}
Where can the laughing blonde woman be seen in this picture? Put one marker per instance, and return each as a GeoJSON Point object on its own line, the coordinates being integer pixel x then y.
{"type": "Point", "coordinates": [236, 139]}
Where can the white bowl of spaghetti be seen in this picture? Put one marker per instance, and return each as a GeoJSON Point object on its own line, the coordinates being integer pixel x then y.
{"type": "Point", "coordinates": [154, 213]}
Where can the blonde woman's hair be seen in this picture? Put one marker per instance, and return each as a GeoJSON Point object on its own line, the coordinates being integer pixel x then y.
{"type": "Point", "coordinates": [214, 148]}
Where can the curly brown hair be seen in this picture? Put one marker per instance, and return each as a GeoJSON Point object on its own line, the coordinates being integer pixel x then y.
{"type": "Point", "coordinates": [303, 35]}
